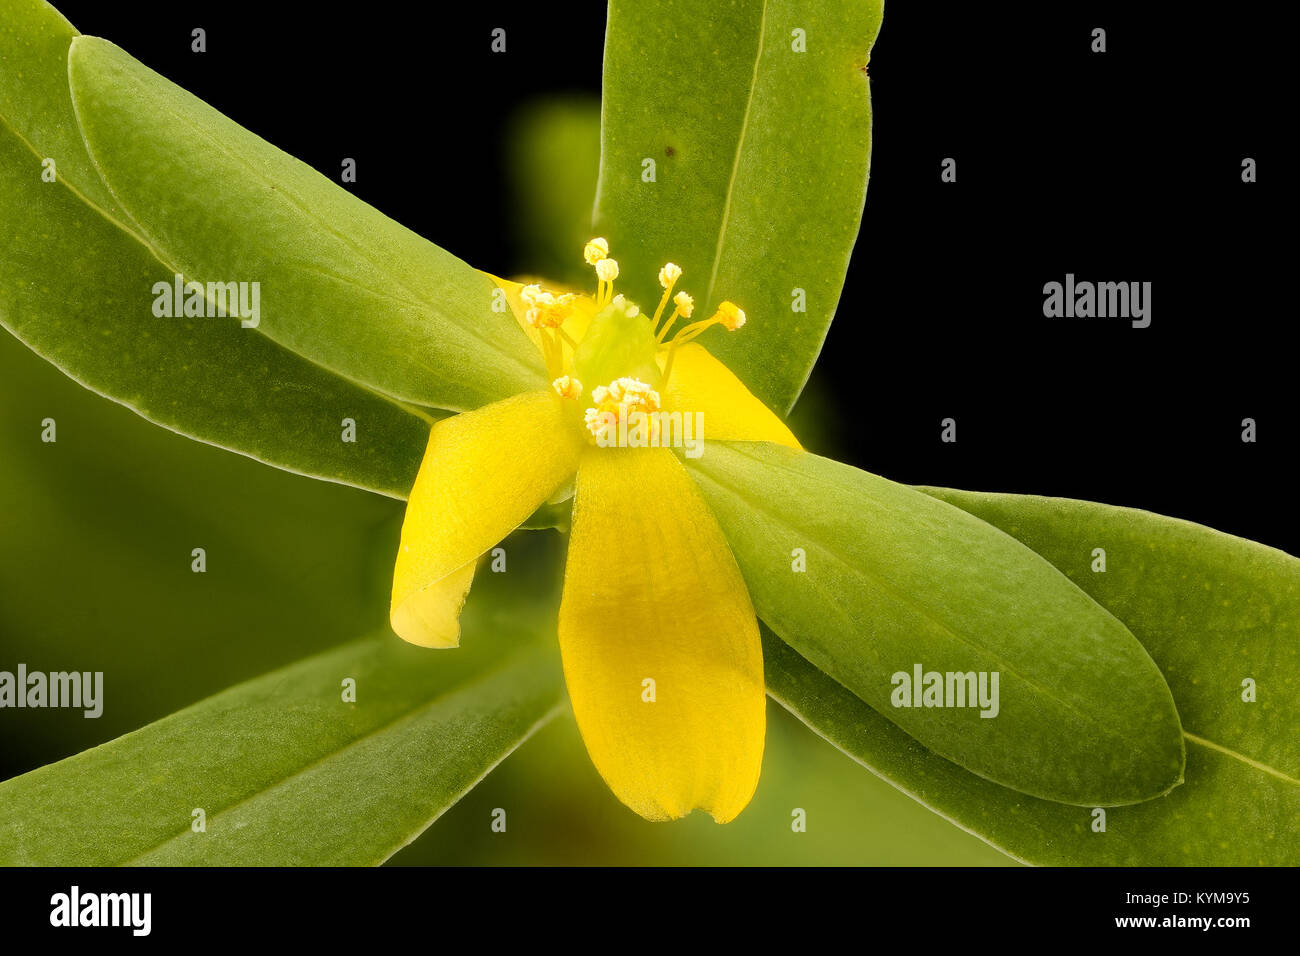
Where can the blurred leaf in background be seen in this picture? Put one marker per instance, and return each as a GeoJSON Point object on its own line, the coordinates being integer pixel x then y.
{"type": "Point", "coordinates": [561, 813]}
{"type": "Point", "coordinates": [99, 527]}
{"type": "Point", "coordinates": [552, 167]}
{"type": "Point", "coordinates": [339, 759]}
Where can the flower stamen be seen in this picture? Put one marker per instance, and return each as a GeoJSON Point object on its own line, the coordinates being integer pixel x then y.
{"type": "Point", "coordinates": [668, 277]}
{"type": "Point", "coordinates": [618, 399]}
{"type": "Point", "coordinates": [566, 386]}
{"type": "Point", "coordinates": [595, 250]}
{"type": "Point", "coordinates": [729, 315]}
{"type": "Point", "coordinates": [606, 273]}
{"type": "Point", "coordinates": [547, 313]}
{"type": "Point", "coordinates": [684, 305]}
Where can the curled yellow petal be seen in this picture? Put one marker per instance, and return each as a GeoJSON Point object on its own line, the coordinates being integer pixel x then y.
{"type": "Point", "coordinates": [484, 472]}
{"type": "Point", "coordinates": [700, 383]}
{"type": "Point", "coordinates": [660, 644]}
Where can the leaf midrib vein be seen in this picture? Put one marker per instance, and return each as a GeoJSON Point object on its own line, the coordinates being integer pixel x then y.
{"type": "Point", "coordinates": [1237, 755]}
{"type": "Point", "coordinates": [928, 615]}
{"type": "Point", "coordinates": [1194, 738]}
{"type": "Point", "coordinates": [172, 267]}
{"type": "Point", "coordinates": [415, 299]}
{"type": "Point", "coordinates": [409, 716]}
{"type": "Point", "coordinates": [735, 163]}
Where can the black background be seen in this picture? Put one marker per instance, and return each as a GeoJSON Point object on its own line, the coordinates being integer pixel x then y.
{"type": "Point", "coordinates": [1122, 166]}
{"type": "Point", "coordinates": [328, 909]}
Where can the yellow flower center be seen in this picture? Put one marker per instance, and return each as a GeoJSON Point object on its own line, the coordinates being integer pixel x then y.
{"type": "Point", "coordinates": [621, 344]}
{"type": "Point", "coordinates": [616, 401]}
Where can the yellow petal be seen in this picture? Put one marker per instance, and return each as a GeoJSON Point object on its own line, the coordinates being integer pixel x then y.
{"type": "Point", "coordinates": [700, 383]}
{"type": "Point", "coordinates": [484, 472]}
{"type": "Point", "coordinates": [652, 593]}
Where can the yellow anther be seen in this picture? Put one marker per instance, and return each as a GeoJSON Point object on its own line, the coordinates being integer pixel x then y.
{"type": "Point", "coordinates": [598, 422]}
{"type": "Point", "coordinates": [606, 273]}
{"type": "Point", "coordinates": [633, 391]}
{"type": "Point", "coordinates": [549, 311]}
{"type": "Point", "coordinates": [685, 304]}
{"type": "Point", "coordinates": [566, 386]}
{"type": "Point", "coordinates": [607, 270]}
{"type": "Point", "coordinates": [543, 318]}
{"type": "Point", "coordinates": [531, 293]}
{"type": "Point", "coordinates": [730, 315]}
{"type": "Point", "coordinates": [668, 275]}
{"type": "Point", "coordinates": [620, 397]}
{"type": "Point", "coordinates": [595, 250]}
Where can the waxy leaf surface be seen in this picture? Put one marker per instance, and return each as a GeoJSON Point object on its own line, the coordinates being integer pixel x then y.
{"type": "Point", "coordinates": [76, 286]}
{"type": "Point", "coordinates": [735, 141]}
{"type": "Point", "coordinates": [1212, 610]}
{"type": "Point", "coordinates": [896, 580]}
{"type": "Point", "coordinates": [286, 771]}
{"type": "Point", "coordinates": [342, 284]}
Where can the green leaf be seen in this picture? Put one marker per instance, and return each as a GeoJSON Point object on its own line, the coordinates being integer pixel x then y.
{"type": "Point", "coordinates": [897, 580]}
{"type": "Point", "coordinates": [97, 561]}
{"type": "Point", "coordinates": [1211, 609]}
{"type": "Point", "coordinates": [343, 285]}
{"type": "Point", "coordinates": [570, 818]}
{"type": "Point", "coordinates": [286, 772]}
{"type": "Point", "coordinates": [76, 287]}
{"type": "Point", "coordinates": [34, 100]}
{"type": "Point", "coordinates": [555, 514]}
{"type": "Point", "coordinates": [760, 165]}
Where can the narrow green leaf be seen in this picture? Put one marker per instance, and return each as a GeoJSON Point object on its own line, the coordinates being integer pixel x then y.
{"type": "Point", "coordinates": [760, 155]}
{"type": "Point", "coordinates": [896, 580]}
{"type": "Point", "coordinates": [285, 771]}
{"type": "Point", "coordinates": [1212, 610]}
{"type": "Point", "coordinates": [342, 285]}
{"type": "Point", "coordinates": [34, 100]}
{"type": "Point", "coordinates": [76, 287]}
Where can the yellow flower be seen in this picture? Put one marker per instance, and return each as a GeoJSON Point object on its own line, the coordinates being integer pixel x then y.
{"type": "Point", "coordinates": [657, 633]}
